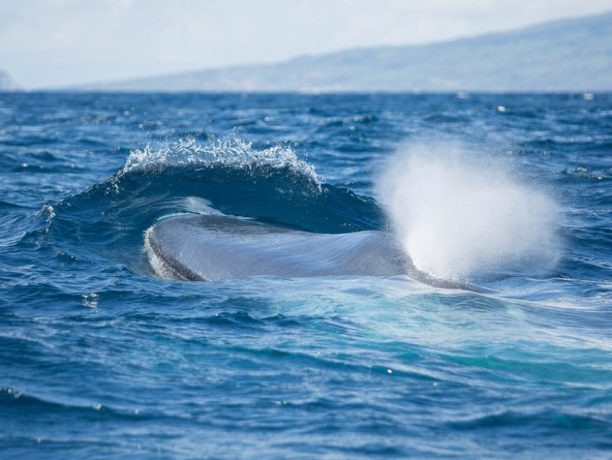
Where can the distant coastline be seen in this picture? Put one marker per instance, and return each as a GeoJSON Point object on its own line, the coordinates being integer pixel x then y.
{"type": "Point", "coordinates": [560, 56]}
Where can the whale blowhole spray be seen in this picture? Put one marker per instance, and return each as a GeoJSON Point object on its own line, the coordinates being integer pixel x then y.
{"type": "Point", "coordinates": [463, 215]}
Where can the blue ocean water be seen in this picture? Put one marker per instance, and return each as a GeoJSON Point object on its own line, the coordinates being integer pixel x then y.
{"type": "Point", "coordinates": [101, 357]}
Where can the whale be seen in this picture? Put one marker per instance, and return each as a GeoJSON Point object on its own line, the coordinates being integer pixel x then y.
{"type": "Point", "coordinates": [220, 247]}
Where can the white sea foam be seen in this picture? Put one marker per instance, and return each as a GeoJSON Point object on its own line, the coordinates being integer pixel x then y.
{"type": "Point", "coordinates": [460, 215]}
{"type": "Point", "coordinates": [232, 153]}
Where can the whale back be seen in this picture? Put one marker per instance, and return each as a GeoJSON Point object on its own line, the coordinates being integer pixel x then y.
{"type": "Point", "coordinates": [216, 247]}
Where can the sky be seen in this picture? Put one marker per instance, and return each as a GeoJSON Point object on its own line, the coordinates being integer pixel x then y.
{"type": "Point", "coordinates": [56, 43]}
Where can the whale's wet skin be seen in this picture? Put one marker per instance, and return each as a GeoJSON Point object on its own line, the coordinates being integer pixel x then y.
{"type": "Point", "coordinates": [325, 327]}
{"type": "Point", "coordinates": [222, 247]}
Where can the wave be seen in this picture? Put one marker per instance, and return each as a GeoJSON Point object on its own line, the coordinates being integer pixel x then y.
{"type": "Point", "coordinates": [230, 176]}
{"type": "Point", "coordinates": [230, 153]}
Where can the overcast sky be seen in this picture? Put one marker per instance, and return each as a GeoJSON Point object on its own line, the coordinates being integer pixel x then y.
{"type": "Point", "coordinates": [47, 43]}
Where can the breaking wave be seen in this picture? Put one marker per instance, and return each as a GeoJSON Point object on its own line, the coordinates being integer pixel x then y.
{"type": "Point", "coordinates": [272, 185]}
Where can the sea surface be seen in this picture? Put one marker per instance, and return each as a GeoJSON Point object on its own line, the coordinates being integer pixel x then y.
{"type": "Point", "coordinates": [501, 349]}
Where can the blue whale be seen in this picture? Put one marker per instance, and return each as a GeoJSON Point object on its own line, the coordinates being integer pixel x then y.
{"type": "Point", "coordinates": [217, 247]}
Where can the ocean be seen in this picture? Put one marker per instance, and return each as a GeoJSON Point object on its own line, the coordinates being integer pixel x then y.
{"type": "Point", "coordinates": [497, 344]}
